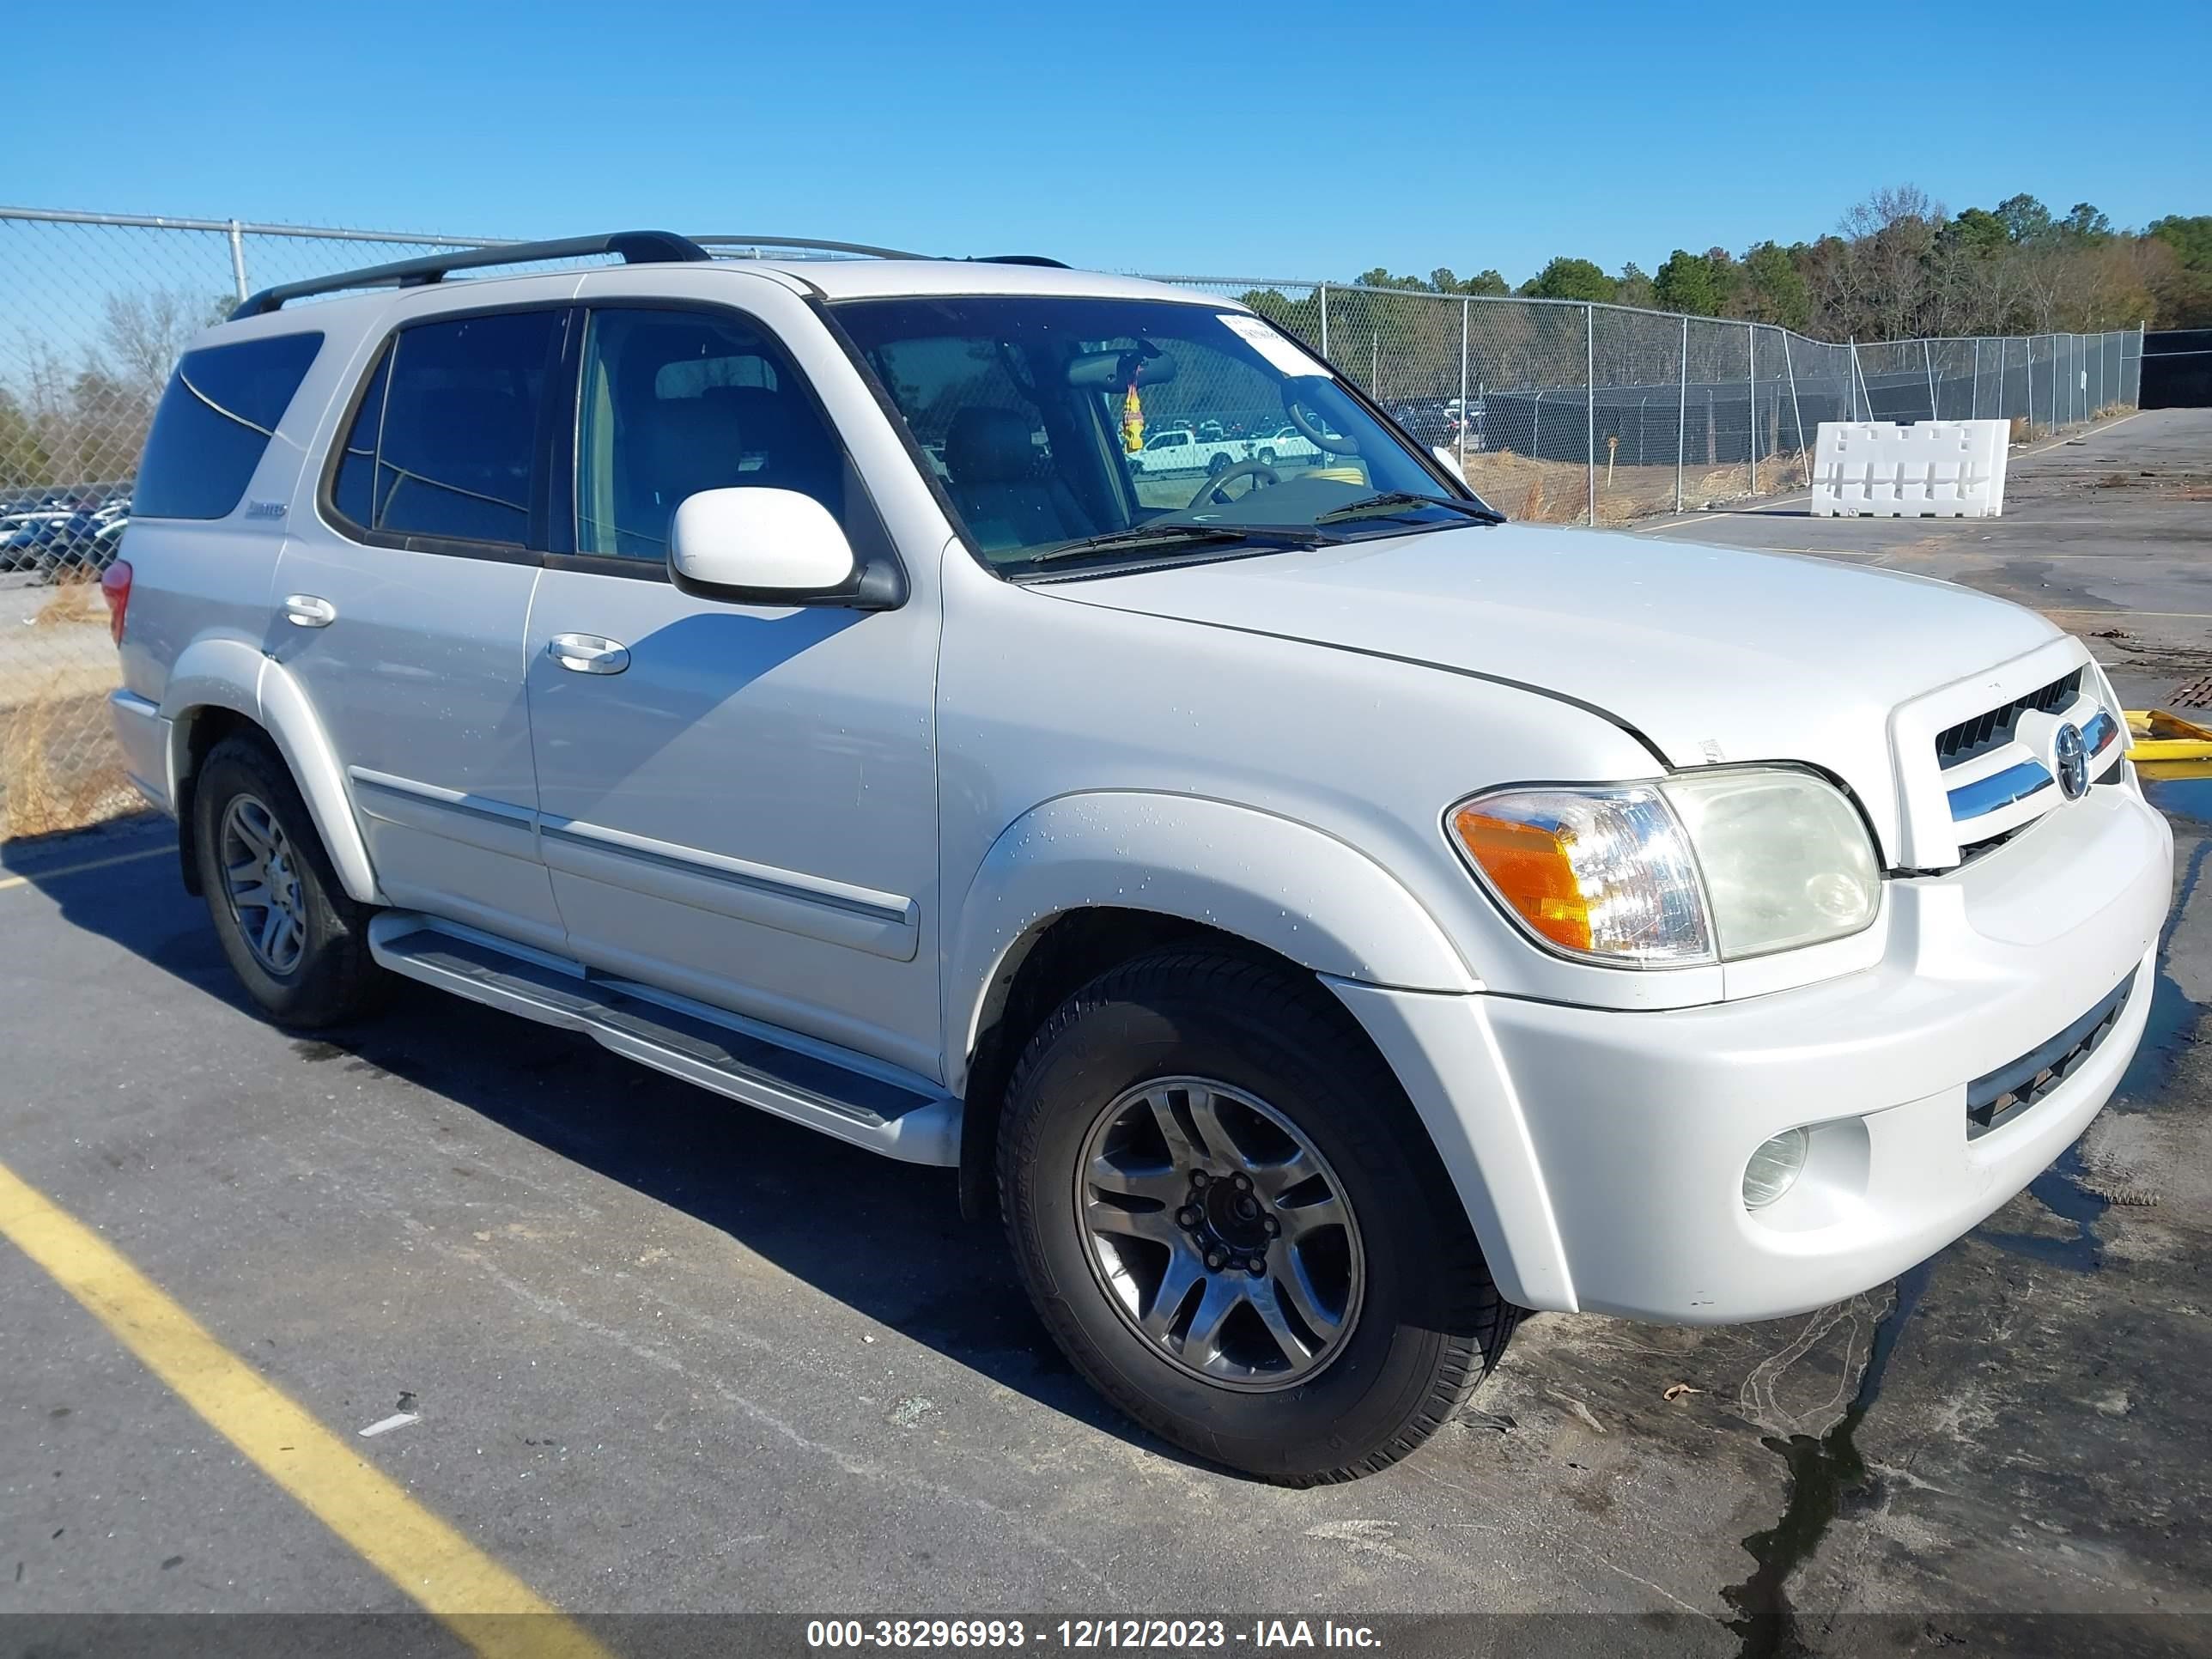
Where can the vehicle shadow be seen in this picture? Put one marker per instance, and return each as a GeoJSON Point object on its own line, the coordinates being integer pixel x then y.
{"type": "Point", "coordinates": [883, 1238]}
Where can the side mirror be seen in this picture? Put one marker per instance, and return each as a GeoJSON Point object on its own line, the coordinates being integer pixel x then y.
{"type": "Point", "coordinates": [760, 547]}
{"type": "Point", "coordinates": [1449, 459]}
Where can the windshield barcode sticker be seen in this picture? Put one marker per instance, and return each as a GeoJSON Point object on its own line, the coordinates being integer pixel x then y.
{"type": "Point", "coordinates": [1283, 353]}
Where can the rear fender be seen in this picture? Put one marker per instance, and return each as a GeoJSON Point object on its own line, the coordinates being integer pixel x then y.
{"type": "Point", "coordinates": [233, 675]}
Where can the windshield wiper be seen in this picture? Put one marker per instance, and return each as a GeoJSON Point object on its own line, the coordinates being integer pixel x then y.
{"type": "Point", "coordinates": [1393, 501]}
{"type": "Point", "coordinates": [1182, 534]}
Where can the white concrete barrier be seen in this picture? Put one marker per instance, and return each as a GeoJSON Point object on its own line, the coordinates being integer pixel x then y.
{"type": "Point", "coordinates": [1930, 470]}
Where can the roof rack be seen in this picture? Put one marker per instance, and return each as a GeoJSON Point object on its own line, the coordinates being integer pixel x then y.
{"type": "Point", "coordinates": [762, 247]}
{"type": "Point", "coordinates": [634, 248]}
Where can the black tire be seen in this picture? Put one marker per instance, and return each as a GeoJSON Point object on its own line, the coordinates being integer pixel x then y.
{"type": "Point", "coordinates": [1266, 458]}
{"type": "Point", "coordinates": [1218, 466]}
{"type": "Point", "coordinates": [335, 979]}
{"type": "Point", "coordinates": [1430, 1324]}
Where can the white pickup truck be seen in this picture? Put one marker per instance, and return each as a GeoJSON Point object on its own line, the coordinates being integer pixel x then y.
{"type": "Point", "coordinates": [1320, 917]}
{"type": "Point", "coordinates": [1181, 449]}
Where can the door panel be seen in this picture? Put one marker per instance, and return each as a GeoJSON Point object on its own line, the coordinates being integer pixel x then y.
{"type": "Point", "coordinates": [738, 801]}
{"type": "Point", "coordinates": [418, 680]}
{"type": "Point", "coordinates": [401, 608]}
{"type": "Point", "coordinates": [747, 813]}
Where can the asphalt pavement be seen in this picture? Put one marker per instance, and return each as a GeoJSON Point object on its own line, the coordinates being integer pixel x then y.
{"type": "Point", "coordinates": [660, 1354]}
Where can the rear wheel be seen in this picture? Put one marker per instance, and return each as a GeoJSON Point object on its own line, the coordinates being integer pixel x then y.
{"type": "Point", "coordinates": [1228, 1216]}
{"type": "Point", "coordinates": [297, 942]}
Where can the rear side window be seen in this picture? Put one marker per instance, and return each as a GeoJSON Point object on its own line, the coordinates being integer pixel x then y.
{"type": "Point", "coordinates": [445, 442]}
{"type": "Point", "coordinates": [214, 422]}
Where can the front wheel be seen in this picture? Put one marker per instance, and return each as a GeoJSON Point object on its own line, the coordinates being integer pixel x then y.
{"type": "Point", "coordinates": [297, 942]}
{"type": "Point", "coordinates": [1229, 1217]}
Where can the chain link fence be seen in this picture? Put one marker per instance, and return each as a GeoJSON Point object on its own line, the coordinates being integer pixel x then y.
{"type": "Point", "coordinates": [1555, 410]}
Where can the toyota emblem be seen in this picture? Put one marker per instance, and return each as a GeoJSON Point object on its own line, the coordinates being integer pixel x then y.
{"type": "Point", "coordinates": [2073, 762]}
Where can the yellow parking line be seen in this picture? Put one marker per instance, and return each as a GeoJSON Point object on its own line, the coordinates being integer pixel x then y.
{"type": "Point", "coordinates": [90, 864]}
{"type": "Point", "coordinates": [371, 1514]}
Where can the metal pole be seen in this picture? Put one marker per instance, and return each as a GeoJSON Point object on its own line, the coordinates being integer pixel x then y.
{"type": "Point", "coordinates": [1928, 361]}
{"type": "Point", "coordinates": [1796, 415]}
{"type": "Point", "coordinates": [1974, 403]}
{"type": "Point", "coordinates": [238, 261]}
{"type": "Point", "coordinates": [1324, 320]}
{"type": "Point", "coordinates": [1589, 403]}
{"type": "Point", "coordinates": [1465, 308]}
{"type": "Point", "coordinates": [1681, 413]}
{"type": "Point", "coordinates": [1751, 377]}
{"type": "Point", "coordinates": [1858, 384]}
{"type": "Point", "coordinates": [2029, 379]}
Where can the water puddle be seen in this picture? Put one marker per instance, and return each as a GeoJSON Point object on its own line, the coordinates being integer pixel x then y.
{"type": "Point", "coordinates": [1823, 1473]}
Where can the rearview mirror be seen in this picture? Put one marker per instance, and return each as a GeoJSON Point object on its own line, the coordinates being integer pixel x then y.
{"type": "Point", "coordinates": [759, 546]}
{"type": "Point", "coordinates": [1111, 371]}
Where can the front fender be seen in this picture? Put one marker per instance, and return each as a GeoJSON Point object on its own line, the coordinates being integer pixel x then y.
{"type": "Point", "coordinates": [1300, 892]}
{"type": "Point", "coordinates": [233, 675]}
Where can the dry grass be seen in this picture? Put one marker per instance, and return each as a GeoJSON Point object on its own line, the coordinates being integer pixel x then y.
{"type": "Point", "coordinates": [59, 768]}
{"type": "Point", "coordinates": [1558, 492]}
{"type": "Point", "coordinates": [72, 602]}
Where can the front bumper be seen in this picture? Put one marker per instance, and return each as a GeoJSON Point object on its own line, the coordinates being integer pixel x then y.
{"type": "Point", "coordinates": [1602, 1153]}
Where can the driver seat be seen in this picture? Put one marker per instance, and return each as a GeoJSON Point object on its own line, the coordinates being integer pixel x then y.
{"type": "Point", "coordinates": [1002, 483]}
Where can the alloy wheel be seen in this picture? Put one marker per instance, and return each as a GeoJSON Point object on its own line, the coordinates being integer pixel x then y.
{"type": "Point", "coordinates": [1219, 1233]}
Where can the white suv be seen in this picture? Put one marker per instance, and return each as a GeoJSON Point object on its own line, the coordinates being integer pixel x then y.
{"type": "Point", "coordinates": [1330, 918]}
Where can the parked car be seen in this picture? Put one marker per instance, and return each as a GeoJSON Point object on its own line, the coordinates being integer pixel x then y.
{"type": "Point", "coordinates": [1180, 449]}
{"type": "Point", "coordinates": [45, 541]}
{"type": "Point", "coordinates": [81, 551]}
{"type": "Point", "coordinates": [1282, 441]}
{"type": "Point", "coordinates": [1323, 921]}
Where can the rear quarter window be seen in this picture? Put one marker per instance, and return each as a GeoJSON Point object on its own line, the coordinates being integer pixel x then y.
{"type": "Point", "coordinates": [214, 422]}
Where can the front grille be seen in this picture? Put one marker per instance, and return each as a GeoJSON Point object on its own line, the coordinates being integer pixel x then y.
{"type": "Point", "coordinates": [1995, 1100]}
{"type": "Point", "coordinates": [1983, 733]}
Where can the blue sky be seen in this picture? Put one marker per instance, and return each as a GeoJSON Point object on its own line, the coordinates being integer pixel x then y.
{"type": "Point", "coordinates": [1250, 139]}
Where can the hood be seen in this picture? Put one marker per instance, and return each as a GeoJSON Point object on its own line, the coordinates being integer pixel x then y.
{"type": "Point", "coordinates": [1708, 653]}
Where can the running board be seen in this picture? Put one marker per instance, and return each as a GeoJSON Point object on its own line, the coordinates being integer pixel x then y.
{"type": "Point", "coordinates": [716, 1049]}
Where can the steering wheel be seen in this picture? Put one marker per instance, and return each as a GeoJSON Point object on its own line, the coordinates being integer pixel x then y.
{"type": "Point", "coordinates": [1211, 489]}
{"type": "Point", "coordinates": [1315, 432]}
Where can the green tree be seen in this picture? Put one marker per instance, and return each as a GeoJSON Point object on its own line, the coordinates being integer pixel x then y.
{"type": "Point", "coordinates": [2025, 219]}
{"type": "Point", "coordinates": [1772, 287]}
{"type": "Point", "coordinates": [2086, 224]}
{"type": "Point", "coordinates": [1570, 279]}
{"type": "Point", "coordinates": [1634, 288]}
{"type": "Point", "coordinates": [2191, 238]}
{"type": "Point", "coordinates": [1444, 280]}
{"type": "Point", "coordinates": [1688, 282]}
{"type": "Point", "coordinates": [1977, 231]}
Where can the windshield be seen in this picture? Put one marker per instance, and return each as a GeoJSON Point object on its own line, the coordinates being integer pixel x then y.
{"type": "Point", "coordinates": [1077, 433]}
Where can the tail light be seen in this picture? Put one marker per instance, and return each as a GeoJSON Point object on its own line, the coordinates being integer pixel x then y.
{"type": "Point", "coordinates": [115, 588]}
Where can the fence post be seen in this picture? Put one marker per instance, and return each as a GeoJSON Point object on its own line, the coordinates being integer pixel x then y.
{"type": "Point", "coordinates": [1324, 321]}
{"type": "Point", "coordinates": [1858, 384]}
{"type": "Point", "coordinates": [238, 261]}
{"type": "Point", "coordinates": [1589, 403]}
{"type": "Point", "coordinates": [2028, 379]}
{"type": "Point", "coordinates": [1928, 361]}
{"type": "Point", "coordinates": [1751, 377]}
{"type": "Point", "coordinates": [1681, 411]}
{"type": "Point", "coordinates": [1796, 415]}
{"type": "Point", "coordinates": [1466, 310]}
{"type": "Point", "coordinates": [1974, 402]}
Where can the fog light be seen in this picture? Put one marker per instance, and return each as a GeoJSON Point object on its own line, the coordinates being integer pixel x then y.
{"type": "Point", "coordinates": [1774, 1169]}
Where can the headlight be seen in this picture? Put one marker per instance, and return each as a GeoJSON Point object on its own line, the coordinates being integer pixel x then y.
{"type": "Point", "coordinates": [1706, 866]}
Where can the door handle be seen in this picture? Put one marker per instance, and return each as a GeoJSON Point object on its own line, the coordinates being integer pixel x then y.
{"type": "Point", "coordinates": [306, 610]}
{"type": "Point", "coordinates": [588, 653]}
